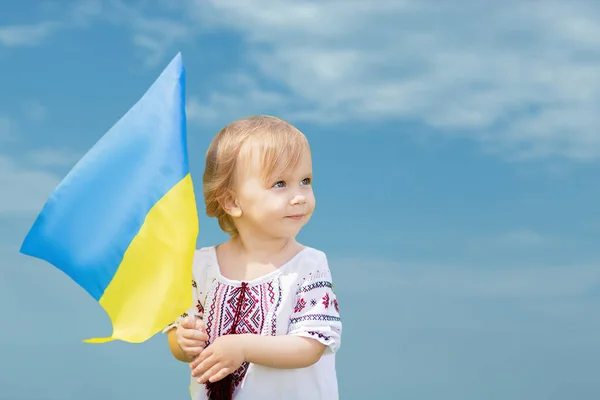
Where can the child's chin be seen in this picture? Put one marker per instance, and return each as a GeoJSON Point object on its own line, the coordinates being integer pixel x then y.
{"type": "Point", "coordinates": [291, 233]}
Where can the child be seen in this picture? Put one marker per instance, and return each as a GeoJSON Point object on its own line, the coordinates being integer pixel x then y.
{"type": "Point", "coordinates": [263, 303]}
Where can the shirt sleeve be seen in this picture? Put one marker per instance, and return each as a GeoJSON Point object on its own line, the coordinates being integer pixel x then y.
{"type": "Point", "coordinates": [197, 307]}
{"type": "Point", "coordinates": [316, 312]}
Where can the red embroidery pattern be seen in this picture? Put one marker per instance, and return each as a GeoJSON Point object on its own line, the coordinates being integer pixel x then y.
{"type": "Point", "coordinates": [300, 305]}
{"type": "Point", "coordinates": [325, 301]}
{"type": "Point", "coordinates": [242, 309]}
{"type": "Point", "coordinates": [319, 318]}
{"type": "Point", "coordinates": [255, 304]}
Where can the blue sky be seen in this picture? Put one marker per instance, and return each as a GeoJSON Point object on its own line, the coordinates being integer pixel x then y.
{"type": "Point", "coordinates": [456, 160]}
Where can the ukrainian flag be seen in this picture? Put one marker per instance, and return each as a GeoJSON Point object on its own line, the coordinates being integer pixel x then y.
{"type": "Point", "coordinates": [123, 223]}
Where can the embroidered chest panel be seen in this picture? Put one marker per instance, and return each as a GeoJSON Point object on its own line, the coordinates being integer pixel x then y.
{"type": "Point", "coordinates": [242, 309]}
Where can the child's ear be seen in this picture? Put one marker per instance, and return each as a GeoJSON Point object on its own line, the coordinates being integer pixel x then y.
{"type": "Point", "coordinates": [231, 206]}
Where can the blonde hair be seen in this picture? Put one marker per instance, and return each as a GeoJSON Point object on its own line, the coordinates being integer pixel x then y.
{"type": "Point", "coordinates": [279, 144]}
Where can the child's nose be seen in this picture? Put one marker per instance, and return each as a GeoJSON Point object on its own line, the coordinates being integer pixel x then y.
{"type": "Point", "coordinates": [299, 199]}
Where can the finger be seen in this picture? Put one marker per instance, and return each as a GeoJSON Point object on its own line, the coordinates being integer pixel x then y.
{"type": "Point", "coordinates": [199, 324]}
{"type": "Point", "coordinates": [205, 354]}
{"type": "Point", "coordinates": [187, 322]}
{"type": "Point", "coordinates": [193, 352]}
{"type": "Point", "coordinates": [210, 372]}
{"type": "Point", "coordinates": [220, 375]}
{"type": "Point", "coordinates": [194, 363]}
{"type": "Point", "coordinates": [193, 334]}
{"type": "Point", "coordinates": [183, 342]}
{"type": "Point", "coordinates": [203, 367]}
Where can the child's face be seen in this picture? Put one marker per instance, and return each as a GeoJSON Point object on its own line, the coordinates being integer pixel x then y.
{"type": "Point", "coordinates": [278, 207]}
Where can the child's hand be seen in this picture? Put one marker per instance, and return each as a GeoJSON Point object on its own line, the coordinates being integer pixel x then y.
{"type": "Point", "coordinates": [191, 336]}
{"type": "Point", "coordinates": [221, 358]}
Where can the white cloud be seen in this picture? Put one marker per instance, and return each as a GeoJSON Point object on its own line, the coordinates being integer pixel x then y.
{"type": "Point", "coordinates": [26, 183]}
{"type": "Point", "coordinates": [524, 237]}
{"type": "Point", "coordinates": [6, 129]}
{"type": "Point", "coordinates": [196, 112]}
{"type": "Point", "coordinates": [26, 35]}
{"type": "Point", "coordinates": [79, 14]}
{"type": "Point", "coordinates": [24, 189]}
{"type": "Point", "coordinates": [28, 180]}
{"type": "Point", "coordinates": [156, 35]}
{"type": "Point", "coordinates": [55, 157]}
{"type": "Point", "coordinates": [520, 238]}
{"type": "Point", "coordinates": [153, 35]}
{"type": "Point", "coordinates": [221, 107]}
{"type": "Point", "coordinates": [35, 110]}
{"type": "Point", "coordinates": [82, 12]}
{"type": "Point", "coordinates": [408, 279]}
{"type": "Point", "coordinates": [522, 78]}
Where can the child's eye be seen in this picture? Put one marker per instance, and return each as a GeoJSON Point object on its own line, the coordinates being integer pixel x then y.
{"type": "Point", "coordinates": [279, 184]}
{"type": "Point", "coordinates": [306, 181]}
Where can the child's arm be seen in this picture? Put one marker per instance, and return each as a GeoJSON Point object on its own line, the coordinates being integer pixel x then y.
{"type": "Point", "coordinates": [228, 352]}
{"type": "Point", "coordinates": [282, 351]}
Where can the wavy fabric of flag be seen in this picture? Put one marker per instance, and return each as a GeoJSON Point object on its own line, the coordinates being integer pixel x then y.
{"type": "Point", "coordinates": [123, 223]}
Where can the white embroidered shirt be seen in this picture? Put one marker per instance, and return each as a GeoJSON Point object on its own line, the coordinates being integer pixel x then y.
{"type": "Point", "coordinates": [296, 299]}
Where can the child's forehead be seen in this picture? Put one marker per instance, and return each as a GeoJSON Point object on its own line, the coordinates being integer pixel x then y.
{"type": "Point", "coordinates": [255, 158]}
